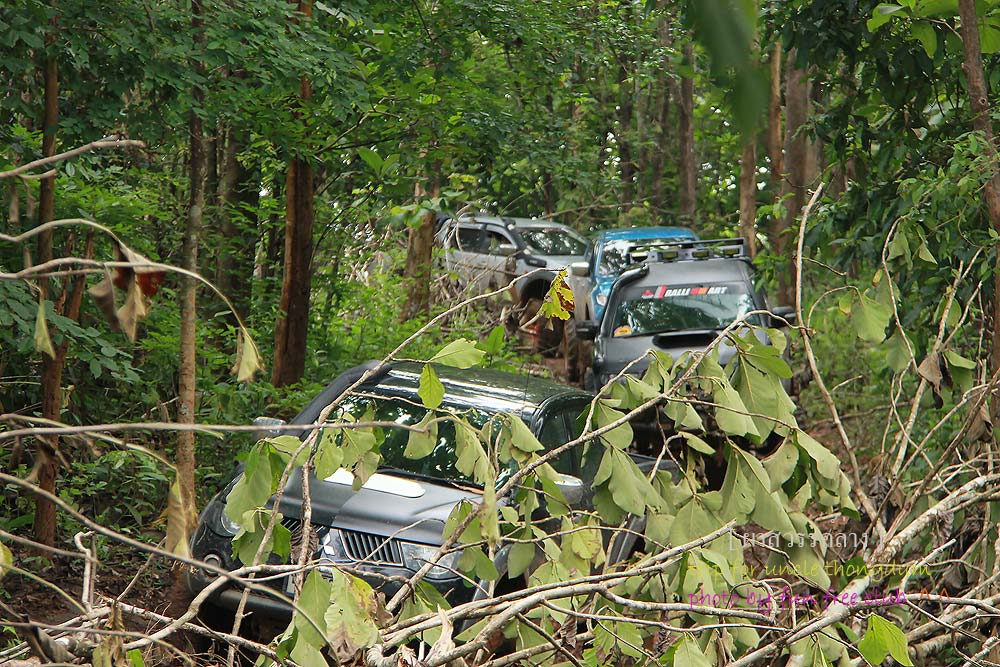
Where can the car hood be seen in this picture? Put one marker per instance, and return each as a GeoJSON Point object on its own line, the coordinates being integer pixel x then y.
{"type": "Point", "coordinates": [389, 504]}
{"type": "Point", "coordinates": [618, 352]}
{"type": "Point", "coordinates": [559, 261]}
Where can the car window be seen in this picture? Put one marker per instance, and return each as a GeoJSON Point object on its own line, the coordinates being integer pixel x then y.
{"type": "Point", "coordinates": [618, 254]}
{"type": "Point", "coordinates": [555, 433]}
{"type": "Point", "coordinates": [648, 308]}
{"type": "Point", "coordinates": [553, 241]}
{"type": "Point", "coordinates": [494, 240]}
{"type": "Point", "coordinates": [472, 239]}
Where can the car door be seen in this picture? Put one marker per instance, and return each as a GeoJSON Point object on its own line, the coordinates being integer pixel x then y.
{"type": "Point", "coordinates": [498, 267]}
{"type": "Point", "coordinates": [464, 247]}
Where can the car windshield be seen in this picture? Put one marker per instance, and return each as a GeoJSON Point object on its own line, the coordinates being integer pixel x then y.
{"type": "Point", "coordinates": [553, 241]}
{"type": "Point", "coordinates": [440, 463]}
{"type": "Point", "coordinates": [616, 255]}
{"type": "Point", "coordinates": [649, 309]}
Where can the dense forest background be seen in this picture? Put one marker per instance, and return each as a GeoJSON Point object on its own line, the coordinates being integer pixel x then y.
{"type": "Point", "coordinates": [256, 216]}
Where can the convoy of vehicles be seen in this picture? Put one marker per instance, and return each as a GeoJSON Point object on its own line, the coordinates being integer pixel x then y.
{"type": "Point", "coordinates": [659, 288]}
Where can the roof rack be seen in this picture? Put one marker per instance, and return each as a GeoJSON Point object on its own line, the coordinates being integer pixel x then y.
{"type": "Point", "coordinates": [687, 250]}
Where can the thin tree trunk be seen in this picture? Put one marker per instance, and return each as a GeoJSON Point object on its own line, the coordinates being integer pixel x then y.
{"type": "Point", "coordinates": [623, 139]}
{"type": "Point", "coordinates": [687, 163]}
{"type": "Point", "coordinates": [979, 102]}
{"type": "Point", "coordinates": [774, 148]}
{"type": "Point", "coordinates": [187, 370]}
{"type": "Point", "coordinates": [419, 254]}
{"type": "Point", "coordinates": [292, 329]}
{"type": "Point", "coordinates": [238, 194]}
{"type": "Point", "coordinates": [52, 368]}
{"type": "Point", "coordinates": [794, 191]}
{"type": "Point", "coordinates": [748, 195]}
{"type": "Point", "coordinates": [661, 109]}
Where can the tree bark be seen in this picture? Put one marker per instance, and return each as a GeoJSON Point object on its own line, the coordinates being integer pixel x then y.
{"type": "Point", "coordinates": [748, 195]}
{"type": "Point", "coordinates": [979, 102]}
{"type": "Point", "coordinates": [239, 193]}
{"type": "Point", "coordinates": [687, 163]}
{"type": "Point", "coordinates": [187, 370]}
{"type": "Point", "coordinates": [52, 368]}
{"type": "Point", "coordinates": [794, 188]}
{"type": "Point", "coordinates": [661, 109]}
{"type": "Point", "coordinates": [623, 139]}
{"type": "Point", "coordinates": [419, 254]}
{"type": "Point", "coordinates": [292, 329]}
{"type": "Point", "coordinates": [774, 149]}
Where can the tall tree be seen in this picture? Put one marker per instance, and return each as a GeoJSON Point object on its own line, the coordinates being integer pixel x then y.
{"type": "Point", "coordinates": [687, 162]}
{"type": "Point", "coordinates": [292, 328]}
{"type": "Point", "coordinates": [52, 365]}
{"type": "Point", "coordinates": [188, 365]}
{"type": "Point", "coordinates": [979, 102]}
{"type": "Point", "coordinates": [796, 149]}
{"type": "Point", "coordinates": [748, 194]}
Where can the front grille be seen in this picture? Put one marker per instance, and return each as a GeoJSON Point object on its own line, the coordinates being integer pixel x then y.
{"type": "Point", "coordinates": [294, 526]}
{"type": "Point", "coordinates": [371, 548]}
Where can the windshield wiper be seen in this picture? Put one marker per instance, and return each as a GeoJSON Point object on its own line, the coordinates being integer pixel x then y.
{"type": "Point", "coordinates": [457, 483]}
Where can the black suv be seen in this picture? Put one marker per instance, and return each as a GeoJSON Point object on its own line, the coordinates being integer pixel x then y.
{"type": "Point", "coordinates": [387, 529]}
{"type": "Point", "coordinates": [677, 300]}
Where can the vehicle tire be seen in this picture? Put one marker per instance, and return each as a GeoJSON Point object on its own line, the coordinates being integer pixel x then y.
{"type": "Point", "coordinates": [544, 334]}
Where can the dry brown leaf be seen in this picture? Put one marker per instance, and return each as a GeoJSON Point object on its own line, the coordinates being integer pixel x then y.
{"type": "Point", "coordinates": [930, 370]}
{"type": "Point", "coordinates": [43, 343]}
{"type": "Point", "coordinates": [177, 522]}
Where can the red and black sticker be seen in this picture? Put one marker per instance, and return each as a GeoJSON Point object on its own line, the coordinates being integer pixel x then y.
{"type": "Point", "coordinates": [663, 292]}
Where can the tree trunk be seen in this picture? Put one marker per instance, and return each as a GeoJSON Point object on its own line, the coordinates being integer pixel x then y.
{"type": "Point", "coordinates": [687, 164]}
{"type": "Point", "coordinates": [239, 193]}
{"type": "Point", "coordinates": [52, 368]}
{"type": "Point", "coordinates": [292, 329]}
{"type": "Point", "coordinates": [796, 164]}
{"type": "Point", "coordinates": [774, 149]}
{"type": "Point", "coordinates": [419, 255]}
{"type": "Point", "coordinates": [979, 102]}
{"type": "Point", "coordinates": [187, 370]}
{"type": "Point", "coordinates": [748, 195]}
{"type": "Point", "coordinates": [661, 109]}
{"type": "Point", "coordinates": [626, 159]}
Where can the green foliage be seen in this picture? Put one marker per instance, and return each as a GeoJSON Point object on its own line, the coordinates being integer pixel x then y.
{"type": "Point", "coordinates": [882, 639]}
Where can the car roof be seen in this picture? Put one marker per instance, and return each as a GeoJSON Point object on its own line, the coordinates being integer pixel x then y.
{"type": "Point", "coordinates": [516, 223]}
{"type": "Point", "coordinates": [481, 388]}
{"type": "Point", "coordinates": [716, 270]}
{"type": "Point", "coordinates": [647, 233]}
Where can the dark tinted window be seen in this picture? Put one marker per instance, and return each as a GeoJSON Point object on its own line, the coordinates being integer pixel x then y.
{"type": "Point", "coordinates": [494, 240]}
{"type": "Point", "coordinates": [647, 309]}
{"type": "Point", "coordinates": [471, 239]}
{"type": "Point", "coordinates": [553, 241]}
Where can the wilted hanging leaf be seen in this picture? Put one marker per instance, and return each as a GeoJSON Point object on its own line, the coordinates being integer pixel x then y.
{"type": "Point", "coordinates": [6, 559]}
{"type": "Point", "coordinates": [930, 370]}
{"type": "Point", "coordinates": [104, 294]}
{"type": "Point", "coordinates": [420, 443]}
{"type": "Point", "coordinates": [559, 299]}
{"type": "Point", "coordinates": [42, 341]}
{"type": "Point", "coordinates": [248, 360]}
{"type": "Point", "coordinates": [133, 310]}
{"type": "Point", "coordinates": [177, 521]}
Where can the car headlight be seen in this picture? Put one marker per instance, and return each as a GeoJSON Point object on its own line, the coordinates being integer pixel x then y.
{"type": "Point", "coordinates": [229, 527]}
{"type": "Point", "coordinates": [602, 299]}
{"type": "Point", "coordinates": [416, 555]}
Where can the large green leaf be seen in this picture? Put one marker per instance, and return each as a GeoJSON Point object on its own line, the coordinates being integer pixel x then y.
{"type": "Point", "coordinates": [420, 443]}
{"type": "Point", "coordinates": [882, 15]}
{"type": "Point", "coordinates": [459, 353]}
{"type": "Point", "coordinates": [870, 318]}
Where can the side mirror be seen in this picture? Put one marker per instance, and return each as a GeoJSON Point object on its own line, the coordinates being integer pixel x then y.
{"type": "Point", "coordinates": [581, 269]}
{"type": "Point", "coordinates": [572, 489]}
{"type": "Point", "coordinates": [782, 316]}
{"type": "Point", "coordinates": [264, 427]}
{"type": "Point", "coordinates": [587, 330]}
{"type": "Point", "coordinates": [506, 249]}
